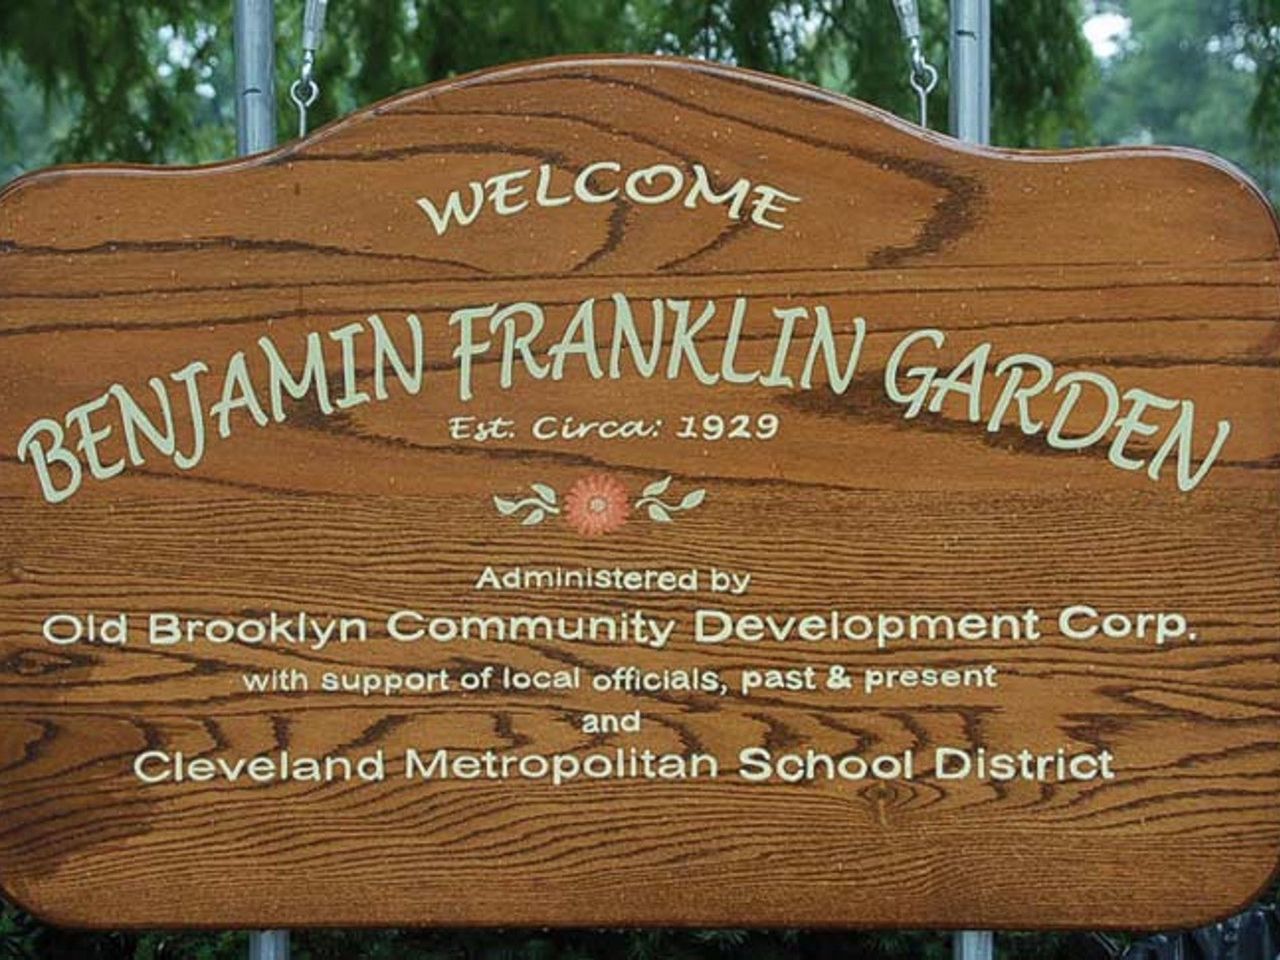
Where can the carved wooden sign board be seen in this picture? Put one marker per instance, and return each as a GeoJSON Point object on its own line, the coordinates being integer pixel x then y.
{"type": "Point", "coordinates": [629, 491]}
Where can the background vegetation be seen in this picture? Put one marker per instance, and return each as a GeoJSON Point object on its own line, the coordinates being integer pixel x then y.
{"type": "Point", "coordinates": [46, 944]}
{"type": "Point", "coordinates": [152, 81]}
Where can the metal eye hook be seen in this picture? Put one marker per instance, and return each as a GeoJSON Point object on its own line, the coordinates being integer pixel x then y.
{"type": "Point", "coordinates": [923, 76]}
{"type": "Point", "coordinates": [924, 79]}
{"type": "Point", "coordinates": [303, 92]}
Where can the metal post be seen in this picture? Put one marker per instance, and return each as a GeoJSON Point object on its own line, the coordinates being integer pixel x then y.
{"type": "Point", "coordinates": [971, 121]}
{"type": "Point", "coordinates": [269, 945]}
{"type": "Point", "coordinates": [971, 70]}
{"type": "Point", "coordinates": [255, 56]}
{"type": "Point", "coordinates": [974, 945]}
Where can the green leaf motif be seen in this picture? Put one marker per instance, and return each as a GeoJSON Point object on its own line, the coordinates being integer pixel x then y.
{"type": "Point", "coordinates": [658, 513]}
{"type": "Point", "coordinates": [692, 499]}
{"type": "Point", "coordinates": [535, 516]}
{"type": "Point", "coordinates": [657, 488]}
{"type": "Point", "coordinates": [545, 492]}
{"type": "Point", "coordinates": [505, 507]}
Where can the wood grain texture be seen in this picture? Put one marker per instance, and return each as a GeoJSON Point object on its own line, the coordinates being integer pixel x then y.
{"type": "Point", "coordinates": [1157, 268]}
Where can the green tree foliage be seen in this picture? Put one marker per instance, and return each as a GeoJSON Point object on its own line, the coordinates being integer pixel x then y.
{"type": "Point", "coordinates": [151, 80]}
{"type": "Point", "coordinates": [22, 939]}
{"type": "Point", "coordinates": [100, 63]}
{"type": "Point", "coordinates": [1203, 74]}
{"type": "Point", "coordinates": [1262, 45]}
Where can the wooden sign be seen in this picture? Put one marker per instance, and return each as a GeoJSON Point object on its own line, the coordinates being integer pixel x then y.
{"type": "Point", "coordinates": [630, 491]}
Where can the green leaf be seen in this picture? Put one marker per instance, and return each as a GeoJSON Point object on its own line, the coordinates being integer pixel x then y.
{"type": "Point", "coordinates": [657, 488]}
{"type": "Point", "coordinates": [692, 499]}
{"type": "Point", "coordinates": [536, 515]}
{"type": "Point", "coordinates": [545, 492]}
{"type": "Point", "coordinates": [658, 513]}
{"type": "Point", "coordinates": [505, 507]}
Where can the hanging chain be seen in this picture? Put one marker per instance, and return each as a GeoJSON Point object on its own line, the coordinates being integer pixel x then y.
{"type": "Point", "coordinates": [923, 76]}
{"type": "Point", "coordinates": [304, 91]}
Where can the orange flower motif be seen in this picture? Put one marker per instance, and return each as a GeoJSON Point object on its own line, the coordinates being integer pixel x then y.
{"type": "Point", "coordinates": [596, 504]}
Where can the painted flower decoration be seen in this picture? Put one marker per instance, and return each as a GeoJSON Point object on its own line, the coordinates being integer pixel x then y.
{"type": "Point", "coordinates": [596, 504]}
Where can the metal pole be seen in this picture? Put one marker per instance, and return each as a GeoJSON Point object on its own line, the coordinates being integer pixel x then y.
{"type": "Point", "coordinates": [974, 945]}
{"type": "Point", "coordinates": [971, 121]}
{"type": "Point", "coordinates": [971, 70]}
{"type": "Point", "coordinates": [255, 56]}
{"type": "Point", "coordinates": [269, 945]}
